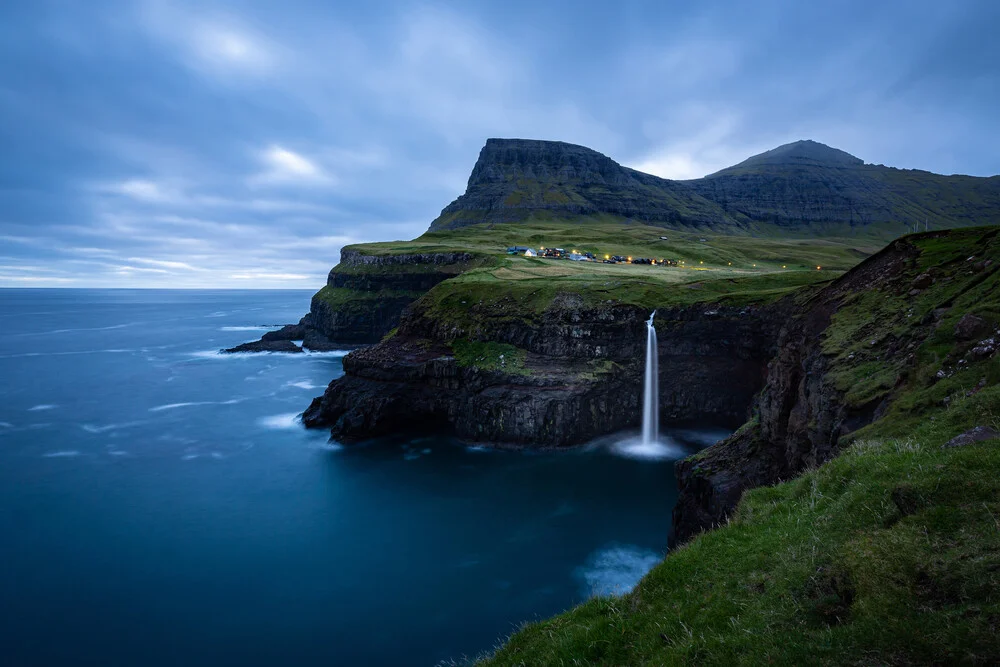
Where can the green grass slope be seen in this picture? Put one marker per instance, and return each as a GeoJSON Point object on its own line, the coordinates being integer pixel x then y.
{"type": "Point", "coordinates": [887, 554]}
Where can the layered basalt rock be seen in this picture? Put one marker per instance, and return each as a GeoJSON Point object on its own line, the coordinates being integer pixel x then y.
{"type": "Point", "coordinates": [581, 375]}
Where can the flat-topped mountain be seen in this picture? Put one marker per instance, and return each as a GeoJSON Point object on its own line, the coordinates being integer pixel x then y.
{"type": "Point", "coordinates": [802, 187]}
{"type": "Point", "coordinates": [515, 178]}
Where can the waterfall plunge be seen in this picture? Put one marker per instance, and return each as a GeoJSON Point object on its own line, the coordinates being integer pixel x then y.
{"type": "Point", "coordinates": [651, 392]}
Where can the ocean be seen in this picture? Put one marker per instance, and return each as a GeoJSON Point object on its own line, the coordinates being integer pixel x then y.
{"type": "Point", "coordinates": [161, 504]}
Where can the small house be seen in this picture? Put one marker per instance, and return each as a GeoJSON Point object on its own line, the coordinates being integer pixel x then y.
{"type": "Point", "coordinates": [530, 252]}
{"type": "Point", "coordinates": [517, 250]}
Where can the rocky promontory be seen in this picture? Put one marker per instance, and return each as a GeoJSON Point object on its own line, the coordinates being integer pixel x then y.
{"type": "Point", "coordinates": [364, 297]}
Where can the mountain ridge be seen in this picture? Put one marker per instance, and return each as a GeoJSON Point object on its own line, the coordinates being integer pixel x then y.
{"type": "Point", "coordinates": [802, 187]}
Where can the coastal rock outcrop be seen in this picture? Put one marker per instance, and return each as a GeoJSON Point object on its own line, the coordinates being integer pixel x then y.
{"type": "Point", "coordinates": [364, 298]}
{"type": "Point", "coordinates": [569, 375]}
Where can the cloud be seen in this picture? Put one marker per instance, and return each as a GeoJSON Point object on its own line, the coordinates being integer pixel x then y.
{"type": "Point", "coordinates": [284, 166]}
{"type": "Point", "coordinates": [258, 275]}
{"type": "Point", "coordinates": [142, 190]}
{"type": "Point", "coordinates": [166, 264]}
{"type": "Point", "coordinates": [215, 44]}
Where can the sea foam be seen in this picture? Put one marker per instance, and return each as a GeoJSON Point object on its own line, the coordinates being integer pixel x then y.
{"type": "Point", "coordinates": [663, 449]}
{"type": "Point", "coordinates": [283, 421]}
{"type": "Point", "coordinates": [615, 570]}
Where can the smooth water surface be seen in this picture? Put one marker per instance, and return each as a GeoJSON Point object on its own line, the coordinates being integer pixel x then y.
{"type": "Point", "coordinates": [160, 504]}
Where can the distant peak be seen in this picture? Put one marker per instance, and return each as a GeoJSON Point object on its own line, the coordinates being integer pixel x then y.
{"type": "Point", "coordinates": [805, 151]}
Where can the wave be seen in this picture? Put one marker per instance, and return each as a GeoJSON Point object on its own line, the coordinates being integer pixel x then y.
{"type": "Point", "coordinates": [259, 327]}
{"type": "Point", "coordinates": [39, 408]}
{"type": "Point", "coordinates": [65, 453]}
{"type": "Point", "coordinates": [615, 570]}
{"type": "Point", "coordinates": [61, 331]}
{"type": "Point", "coordinates": [58, 354]}
{"type": "Point", "coordinates": [218, 354]}
{"type": "Point", "coordinates": [287, 420]}
{"type": "Point", "coordinates": [174, 406]}
{"type": "Point", "coordinates": [90, 428]}
{"type": "Point", "coordinates": [302, 384]}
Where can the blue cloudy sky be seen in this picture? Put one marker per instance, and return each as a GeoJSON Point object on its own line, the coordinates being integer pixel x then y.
{"type": "Point", "coordinates": [241, 144]}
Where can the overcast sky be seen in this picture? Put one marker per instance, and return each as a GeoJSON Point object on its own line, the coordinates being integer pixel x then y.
{"type": "Point", "coordinates": [241, 144]}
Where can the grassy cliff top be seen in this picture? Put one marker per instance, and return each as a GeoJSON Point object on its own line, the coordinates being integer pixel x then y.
{"type": "Point", "coordinates": [610, 235]}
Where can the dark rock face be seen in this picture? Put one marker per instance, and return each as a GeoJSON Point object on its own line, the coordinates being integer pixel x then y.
{"type": "Point", "coordinates": [801, 416]}
{"type": "Point", "coordinates": [711, 364]}
{"type": "Point", "coordinates": [970, 327]}
{"type": "Point", "coordinates": [379, 289]}
{"type": "Point", "coordinates": [972, 436]}
{"type": "Point", "coordinates": [287, 332]}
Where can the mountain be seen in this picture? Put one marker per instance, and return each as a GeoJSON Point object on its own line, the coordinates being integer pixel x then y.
{"type": "Point", "coordinates": [805, 184]}
{"type": "Point", "coordinates": [803, 187]}
{"type": "Point", "coordinates": [516, 178]}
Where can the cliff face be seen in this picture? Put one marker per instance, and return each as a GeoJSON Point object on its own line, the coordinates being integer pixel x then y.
{"type": "Point", "coordinates": [569, 375]}
{"type": "Point", "coordinates": [365, 295]}
{"type": "Point", "coordinates": [882, 331]}
{"type": "Point", "coordinates": [803, 186]}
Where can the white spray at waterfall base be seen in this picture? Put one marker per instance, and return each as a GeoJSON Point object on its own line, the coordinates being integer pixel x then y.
{"type": "Point", "coordinates": [651, 391]}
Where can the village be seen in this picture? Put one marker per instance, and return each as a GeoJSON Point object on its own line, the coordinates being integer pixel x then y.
{"type": "Point", "coordinates": [575, 256]}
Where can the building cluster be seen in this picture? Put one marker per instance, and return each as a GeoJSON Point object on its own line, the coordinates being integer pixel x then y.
{"type": "Point", "coordinates": [573, 255]}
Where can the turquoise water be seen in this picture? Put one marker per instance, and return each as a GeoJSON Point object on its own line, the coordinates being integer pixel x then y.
{"type": "Point", "coordinates": [161, 505]}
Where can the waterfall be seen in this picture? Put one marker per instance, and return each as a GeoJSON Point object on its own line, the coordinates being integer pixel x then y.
{"type": "Point", "coordinates": [651, 392]}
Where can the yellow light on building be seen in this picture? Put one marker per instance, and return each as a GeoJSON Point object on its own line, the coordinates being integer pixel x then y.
{"type": "Point", "coordinates": [607, 257]}
{"type": "Point", "coordinates": [755, 265]}
{"type": "Point", "coordinates": [783, 266]}
{"type": "Point", "coordinates": [630, 259]}
{"type": "Point", "coordinates": [818, 268]}
{"type": "Point", "coordinates": [701, 262]}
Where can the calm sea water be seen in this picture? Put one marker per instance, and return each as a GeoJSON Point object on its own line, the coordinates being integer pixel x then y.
{"type": "Point", "coordinates": [161, 505]}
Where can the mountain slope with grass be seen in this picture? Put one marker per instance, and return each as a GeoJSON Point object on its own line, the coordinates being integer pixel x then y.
{"type": "Point", "coordinates": [803, 188]}
{"type": "Point", "coordinates": [882, 410]}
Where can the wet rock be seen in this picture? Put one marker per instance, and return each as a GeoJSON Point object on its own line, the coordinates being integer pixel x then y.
{"type": "Point", "coordinates": [974, 435]}
{"type": "Point", "coordinates": [287, 332]}
{"type": "Point", "coordinates": [318, 342]}
{"type": "Point", "coordinates": [266, 346]}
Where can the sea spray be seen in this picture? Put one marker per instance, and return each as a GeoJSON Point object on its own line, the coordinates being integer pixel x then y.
{"type": "Point", "coordinates": [651, 391]}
